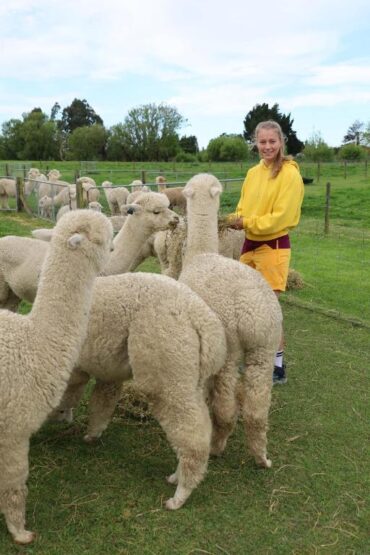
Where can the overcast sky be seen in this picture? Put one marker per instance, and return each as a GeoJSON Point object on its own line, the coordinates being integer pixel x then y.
{"type": "Point", "coordinates": [212, 60]}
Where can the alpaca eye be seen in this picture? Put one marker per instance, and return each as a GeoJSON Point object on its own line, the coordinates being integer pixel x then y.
{"type": "Point", "coordinates": [156, 211]}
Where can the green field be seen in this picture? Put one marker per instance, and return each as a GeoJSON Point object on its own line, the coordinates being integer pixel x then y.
{"type": "Point", "coordinates": [108, 499]}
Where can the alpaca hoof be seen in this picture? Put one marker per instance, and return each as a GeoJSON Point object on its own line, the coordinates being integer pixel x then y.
{"type": "Point", "coordinates": [172, 479]}
{"type": "Point", "coordinates": [90, 439]}
{"type": "Point", "coordinates": [172, 504]}
{"type": "Point", "coordinates": [265, 462]}
{"type": "Point", "coordinates": [24, 537]}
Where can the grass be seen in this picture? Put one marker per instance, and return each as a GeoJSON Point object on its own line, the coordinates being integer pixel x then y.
{"type": "Point", "coordinates": [108, 498]}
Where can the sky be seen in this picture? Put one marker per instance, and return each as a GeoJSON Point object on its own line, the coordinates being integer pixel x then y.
{"type": "Point", "coordinates": [212, 60]}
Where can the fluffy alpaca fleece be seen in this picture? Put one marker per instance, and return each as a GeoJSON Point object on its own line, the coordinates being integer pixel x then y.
{"type": "Point", "coordinates": [21, 257]}
{"type": "Point", "coordinates": [158, 331]}
{"type": "Point", "coordinates": [169, 247]}
{"type": "Point", "coordinates": [34, 372]}
{"type": "Point", "coordinates": [7, 189]}
{"type": "Point", "coordinates": [251, 315]}
{"type": "Point", "coordinates": [116, 197]}
{"type": "Point", "coordinates": [176, 198]}
{"type": "Point", "coordinates": [90, 192]}
{"type": "Point", "coordinates": [36, 179]}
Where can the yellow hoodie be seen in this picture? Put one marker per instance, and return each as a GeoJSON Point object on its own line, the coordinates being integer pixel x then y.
{"type": "Point", "coordinates": [270, 206]}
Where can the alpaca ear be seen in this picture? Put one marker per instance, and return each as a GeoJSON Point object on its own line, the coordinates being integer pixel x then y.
{"type": "Point", "coordinates": [215, 190]}
{"type": "Point", "coordinates": [188, 191]}
{"type": "Point", "coordinates": [75, 240]}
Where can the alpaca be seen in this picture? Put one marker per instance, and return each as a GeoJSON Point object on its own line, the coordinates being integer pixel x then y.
{"type": "Point", "coordinates": [90, 192]}
{"type": "Point", "coordinates": [45, 207]}
{"type": "Point", "coordinates": [176, 198]}
{"type": "Point", "coordinates": [161, 183]}
{"type": "Point", "coordinates": [250, 312]}
{"type": "Point", "coordinates": [134, 194]}
{"type": "Point", "coordinates": [169, 247]}
{"type": "Point", "coordinates": [160, 333]}
{"type": "Point", "coordinates": [34, 180]}
{"type": "Point", "coordinates": [34, 373]}
{"type": "Point", "coordinates": [7, 189]}
{"type": "Point", "coordinates": [116, 197]}
{"type": "Point", "coordinates": [21, 257]}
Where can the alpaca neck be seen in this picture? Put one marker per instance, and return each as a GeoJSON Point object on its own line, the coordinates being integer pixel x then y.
{"type": "Point", "coordinates": [127, 245]}
{"type": "Point", "coordinates": [202, 234]}
{"type": "Point", "coordinates": [59, 317]}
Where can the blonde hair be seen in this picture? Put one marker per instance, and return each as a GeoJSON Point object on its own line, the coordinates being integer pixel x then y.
{"type": "Point", "coordinates": [281, 157]}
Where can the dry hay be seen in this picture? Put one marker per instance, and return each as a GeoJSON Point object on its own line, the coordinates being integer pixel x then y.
{"type": "Point", "coordinates": [133, 403]}
{"type": "Point", "coordinates": [295, 280]}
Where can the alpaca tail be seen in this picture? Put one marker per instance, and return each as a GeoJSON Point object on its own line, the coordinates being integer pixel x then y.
{"type": "Point", "coordinates": [212, 341]}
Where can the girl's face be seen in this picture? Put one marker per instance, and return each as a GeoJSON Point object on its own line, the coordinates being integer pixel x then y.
{"type": "Point", "coordinates": [268, 144]}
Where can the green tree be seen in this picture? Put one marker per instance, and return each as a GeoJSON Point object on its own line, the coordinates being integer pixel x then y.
{"type": "Point", "coordinates": [87, 143]}
{"type": "Point", "coordinates": [316, 150]}
{"type": "Point", "coordinates": [227, 148]}
{"type": "Point", "coordinates": [34, 138]}
{"type": "Point", "coordinates": [262, 112]}
{"type": "Point", "coordinates": [351, 152]}
{"type": "Point", "coordinates": [149, 132]}
{"type": "Point", "coordinates": [12, 140]}
{"type": "Point", "coordinates": [78, 114]}
{"type": "Point", "coordinates": [189, 144]}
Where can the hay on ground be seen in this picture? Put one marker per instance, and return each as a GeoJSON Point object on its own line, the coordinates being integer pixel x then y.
{"type": "Point", "coordinates": [295, 280]}
{"type": "Point", "coordinates": [133, 403]}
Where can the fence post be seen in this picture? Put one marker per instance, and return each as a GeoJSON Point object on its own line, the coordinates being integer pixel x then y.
{"type": "Point", "coordinates": [21, 203]}
{"type": "Point", "coordinates": [318, 171]}
{"type": "Point", "coordinates": [79, 195]}
{"type": "Point", "coordinates": [327, 207]}
{"type": "Point", "coordinates": [7, 170]}
{"type": "Point", "coordinates": [143, 176]}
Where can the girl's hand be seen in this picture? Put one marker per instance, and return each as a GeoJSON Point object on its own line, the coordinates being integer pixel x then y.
{"type": "Point", "coordinates": [236, 224]}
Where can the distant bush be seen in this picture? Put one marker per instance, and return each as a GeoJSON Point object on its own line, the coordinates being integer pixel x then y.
{"type": "Point", "coordinates": [227, 148]}
{"type": "Point", "coordinates": [185, 157]}
{"type": "Point", "coordinates": [316, 150]}
{"type": "Point", "coordinates": [351, 152]}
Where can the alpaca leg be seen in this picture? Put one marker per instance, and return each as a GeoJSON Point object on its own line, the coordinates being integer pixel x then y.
{"type": "Point", "coordinates": [223, 405]}
{"type": "Point", "coordinates": [71, 396]}
{"type": "Point", "coordinates": [8, 299]}
{"type": "Point", "coordinates": [187, 425]}
{"type": "Point", "coordinates": [13, 490]}
{"type": "Point", "coordinates": [4, 202]}
{"type": "Point", "coordinates": [255, 403]}
{"type": "Point", "coordinates": [102, 403]}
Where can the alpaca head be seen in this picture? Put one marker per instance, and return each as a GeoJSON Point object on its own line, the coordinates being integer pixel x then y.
{"type": "Point", "coordinates": [87, 231]}
{"type": "Point", "coordinates": [33, 173]}
{"type": "Point", "coordinates": [151, 212]}
{"type": "Point", "coordinates": [54, 174]}
{"type": "Point", "coordinates": [203, 189]}
{"type": "Point", "coordinates": [94, 205]}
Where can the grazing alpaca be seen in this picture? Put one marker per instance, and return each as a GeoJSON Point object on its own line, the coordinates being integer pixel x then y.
{"type": "Point", "coordinates": [251, 315]}
{"type": "Point", "coordinates": [35, 367]}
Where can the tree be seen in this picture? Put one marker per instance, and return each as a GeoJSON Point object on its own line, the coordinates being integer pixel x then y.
{"type": "Point", "coordinates": [316, 150]}
{"type": "Point", "coordinates": [354, 133]}
{"type": "Point", "coordinates": [87, 143]}
{"type": "Point", "coordinates": [262, 112]}
{"type": "Point", "coordinates": [149, 132]}
{"type": "Point", "coordinates": [34, 138]}
{"type": "Point", "coordinates": [351, 152]}
{"type": "Point", "coordinates": [189, 144]}
{"type": "Point", "coordinates": [78, 114]}
{"type": "Point", "coordinates": [227, 148]}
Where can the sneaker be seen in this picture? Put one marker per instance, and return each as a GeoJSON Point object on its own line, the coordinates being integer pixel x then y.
{"type": "Point", "coordinates": [279, 375]}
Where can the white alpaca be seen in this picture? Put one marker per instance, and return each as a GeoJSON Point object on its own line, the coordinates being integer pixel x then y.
{"type": "Point", "coordinates": [21, 257]}
{"type": "Point", "coordinates": [134, 194]}
{"type": "Point", "coordinates": [116, 197]}
{"type": "Point", "coordinates": [169, 247]}
{"type": "Point", "coordinates": [250, 312]}
{"type": "Point", "coordinates": [160, 333]}
{"type": "Point", "coordinates": [176, 198]}
{"type": "Point", "coordinates": [90, 192]}
{"type": "Point", "coordinates": [34, 372]}
{"type": "Point", "coordinates": [7, 189]}
{"type": "Point", "coordinates": [36, 180]}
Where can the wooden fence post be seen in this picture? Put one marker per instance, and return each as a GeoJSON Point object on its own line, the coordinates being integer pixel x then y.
{"type": "Point", "coordinates": [143, 176]}
{"type": "Point", "coordinates": [7, 170]}
{"type": "Point", "coordinates": [79, 196]}
{"type": "Point", "coordinates": [327, 207]}
{"type": "Point", "coordinates": [21, 203]}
